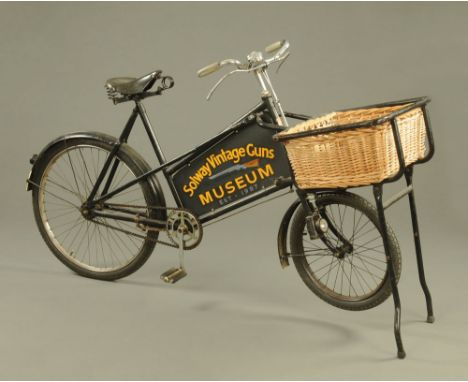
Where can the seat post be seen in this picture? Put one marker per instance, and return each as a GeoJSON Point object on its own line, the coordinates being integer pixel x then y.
{"type": "Point", "coordinates": [149, 130]}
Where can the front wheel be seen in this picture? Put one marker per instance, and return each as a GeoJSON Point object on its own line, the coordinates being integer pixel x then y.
{"type": "Point", "coordinates": [346, 267]}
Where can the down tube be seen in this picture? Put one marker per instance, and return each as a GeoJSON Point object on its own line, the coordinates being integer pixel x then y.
{"type": "Point", "coordinates": [242, 168]}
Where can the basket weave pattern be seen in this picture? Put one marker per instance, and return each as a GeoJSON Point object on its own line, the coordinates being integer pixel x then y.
{"type": "Point", "coordinates": [356, 157]}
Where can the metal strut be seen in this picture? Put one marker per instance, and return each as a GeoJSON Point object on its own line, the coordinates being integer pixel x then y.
{"type": "Point", "coordinates": [395, 198]}
{"type": "Point", "coordinates": [391, 268]}
{"type": "Point", "coordinates": [417, 244]}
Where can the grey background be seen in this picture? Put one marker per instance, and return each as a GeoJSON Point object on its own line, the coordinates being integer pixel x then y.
{"type": "Point", "coordinates": [237, 315]}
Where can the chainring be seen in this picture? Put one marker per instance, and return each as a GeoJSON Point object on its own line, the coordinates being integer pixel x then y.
{"type": "Point", "coordinates": [182, 224]}
{"type": "Point", "coordinates": [191, 228]}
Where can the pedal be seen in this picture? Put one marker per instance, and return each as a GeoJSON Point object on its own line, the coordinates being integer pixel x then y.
{"type": "Point", "coordinates": [173, 275]}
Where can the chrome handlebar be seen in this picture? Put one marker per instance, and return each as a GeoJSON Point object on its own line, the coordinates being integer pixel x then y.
{"type": "Point", "coordinates": [274, 47]}
{"type": "Point", "coordinates": [280, 46]}
{"type": "Point", "coordinates": [255, 61]}
{"type": "Point", "coordinates": [216, 66]}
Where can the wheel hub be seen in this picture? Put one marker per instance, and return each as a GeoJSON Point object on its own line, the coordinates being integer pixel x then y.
{"type": "Point", "coordinates": [87, 213]}
{"type": "Point", "coordinates": [343, 251]}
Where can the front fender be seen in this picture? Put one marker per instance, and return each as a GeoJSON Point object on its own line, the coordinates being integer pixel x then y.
{"type": "Point", "coordinates": [283, 233]}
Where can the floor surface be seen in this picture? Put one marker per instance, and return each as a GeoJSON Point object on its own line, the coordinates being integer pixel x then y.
{"type": "Point", "coordinates": [236, 316]}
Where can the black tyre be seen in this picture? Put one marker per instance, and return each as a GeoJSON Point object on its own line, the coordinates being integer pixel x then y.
{"type": "Point", "coordinates": [99, 248]}
{"type": "Point", "coordinates": [347, 267]}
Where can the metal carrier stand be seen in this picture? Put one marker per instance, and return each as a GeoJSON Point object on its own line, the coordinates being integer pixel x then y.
{"type": "Point", "coordinates": [381, 206]}
{"type": "Point", "coordinates": [407, 171]}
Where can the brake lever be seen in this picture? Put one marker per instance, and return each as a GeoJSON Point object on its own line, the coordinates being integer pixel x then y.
{"type": "Point", "coordinates": [282, 62]}
{"type": "Point", "coordinates": [222, 79]}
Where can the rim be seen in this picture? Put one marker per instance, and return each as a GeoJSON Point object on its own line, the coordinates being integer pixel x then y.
{"type": "Point", "coordinates": [88, 244]}
{"type": "Point", "coordinates": [354, 274]}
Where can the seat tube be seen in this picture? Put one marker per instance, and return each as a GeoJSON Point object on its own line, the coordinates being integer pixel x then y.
{"type": "Point", "coordinates": [157, 149]}
{"type": "Point", "coordinates": [149, 130]}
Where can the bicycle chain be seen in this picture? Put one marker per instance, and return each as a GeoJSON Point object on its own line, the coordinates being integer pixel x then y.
{"type": "Point", "coordinates": [167, 229]}
{"type": "Point", "coordinates": [140, 226]}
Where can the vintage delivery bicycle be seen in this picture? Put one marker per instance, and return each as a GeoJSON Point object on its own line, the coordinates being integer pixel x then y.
{"type": "Point", "coordinates": [101, 210]}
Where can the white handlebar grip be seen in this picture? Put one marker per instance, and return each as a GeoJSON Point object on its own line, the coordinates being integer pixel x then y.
{"type": "Point", "coordinates": [274, 47]}
{"type": "Point", "coordinates": [208, 69]}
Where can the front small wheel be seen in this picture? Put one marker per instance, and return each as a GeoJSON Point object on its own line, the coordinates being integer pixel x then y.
{"type": "Point", "coordinates": [346, 267]}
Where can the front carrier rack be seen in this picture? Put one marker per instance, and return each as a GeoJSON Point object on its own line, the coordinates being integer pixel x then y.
{"type": "Point", "coordinates": [365, 146]}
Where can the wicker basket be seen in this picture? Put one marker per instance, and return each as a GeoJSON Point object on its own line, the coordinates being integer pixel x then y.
{"type": "Point", "coordinates": [354, 157]}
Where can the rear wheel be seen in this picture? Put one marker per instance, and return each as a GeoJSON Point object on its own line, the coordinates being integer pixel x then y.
{"type": "Point", "coordinates": [97, 247]}
{"type": "Point", "coordinates": [347, 267]}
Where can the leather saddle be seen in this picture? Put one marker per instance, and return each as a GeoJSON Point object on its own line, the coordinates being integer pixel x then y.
{"type": "Point", "coordinates": [130, 85]}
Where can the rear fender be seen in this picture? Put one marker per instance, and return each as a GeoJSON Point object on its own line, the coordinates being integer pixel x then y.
{"type": "Point", "coordinates": [33, 176]}
{"type": "Point", "coordinates": [61, 141]}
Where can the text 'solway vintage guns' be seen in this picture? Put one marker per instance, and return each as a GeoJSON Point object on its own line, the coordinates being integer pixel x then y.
{"type": "Point", "coordinates": [101, 210]}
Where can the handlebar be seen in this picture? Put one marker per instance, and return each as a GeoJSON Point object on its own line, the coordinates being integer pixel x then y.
{"type": "Point", "coordinates": [208, 69]}
{"type": "Point", "coordinates": [274, 47]}
{"type": "Point", "coordinates": [280, 46]}
{"type": "Point", "coordinates": [254, 60]}
{"type": "Point", "coordinates": [255, 63]}
{"type": "Point", "coordinates": [216, 66]}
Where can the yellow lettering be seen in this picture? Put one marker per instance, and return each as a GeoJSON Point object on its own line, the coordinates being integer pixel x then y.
{"type": "Point", "coordinates": [198, 177]}
{"type": "Point", "coordinates": [240, 183]}
{"type": "Point", "coordinates": [206, 198]}
{"type": "Point", "coordinates": [249, 150]}
{"type": "Point", "coordinates": [221, 192]}
{"type": "Point", "coordinates": [254, 175]}
{"type": "Point", "coordinates": [230, 187]}
{"type": "Point", "coordinates": [235, 155]}
{"type": "Point", "coordinates": [188, 190]}
{"type": "Point", "coordinates": [267, 171]}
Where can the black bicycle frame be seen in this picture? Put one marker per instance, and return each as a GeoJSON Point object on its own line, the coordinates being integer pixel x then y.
{"type": "Point", "coordinates": [171, 168]}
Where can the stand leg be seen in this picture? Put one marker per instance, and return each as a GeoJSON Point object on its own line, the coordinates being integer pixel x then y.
{"type": "Point", "coordinates": [417, 244]}
{"type": "Point", "coordinates": [391, 270]}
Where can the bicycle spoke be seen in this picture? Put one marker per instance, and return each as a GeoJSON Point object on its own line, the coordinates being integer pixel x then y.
{"type": "Point", "coordinates": [370, 257]}
{"type": "Point", "coordinates": [350, 285]}
{"type": "Point", "coordinates": [68, 184]}
{"type": "Point", "coordinates": [347, 274]}
{"type": "Point", "coordinates": [329, 270]}
{"type": "Point", "coordinates": [365, 233]}
{"type": "Point", "coordinates": [359, 277]}
{"type": "Point", "coordinates": [367, 249]}
{"type": "Point", "coordinates": [374, 276]}
{"type": "Point", "coordinates": [369, 263]}
{"type": "Point", "coordinates": [91, 244]}
{"type": "Point", "coordinates": [85, 167]}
